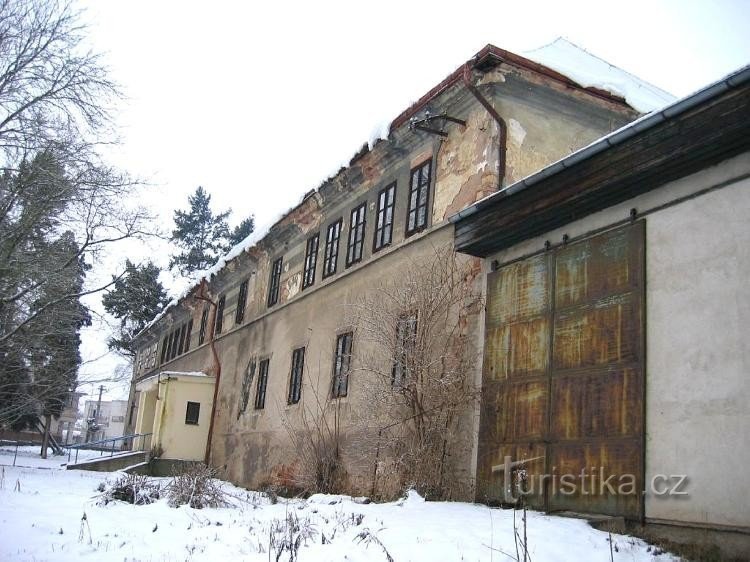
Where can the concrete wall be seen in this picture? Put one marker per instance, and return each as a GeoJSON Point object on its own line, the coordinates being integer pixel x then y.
{"type": "Point", "coordinates": [698, 353]}
{"type": "Point", "coordinates": [545, 121]}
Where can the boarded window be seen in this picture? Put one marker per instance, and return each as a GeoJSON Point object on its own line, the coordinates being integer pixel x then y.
{"type": "Point", "coordinates": [384, 220]}
{"type": "Point", "coordinates": [419, 189]}
{"type": "Point", "coordinates": [356, 235]}
{"type": "Point", "coordinates": [239, 313]}
{"type": "Point", "coordinates": [274, 282]}
{"type": "Point", "coordinates": [192, 412]}
{"type": "Point", "coordinates": [260, 395]}
{"type": "Point", "coordinates": [311, 261]}
{"type": "Point", "coordinates": [219, 322]}
{"type": "Point", "coordinates": [330, 259]}
{"type": "Point", "coordinates": [406, 338]}
{"type": "Point", "coordinates": [204, 324]}
{"type": "Point", "coordinates": [341, 364]}
{"type": "Point", "coordinates": [295, 377]}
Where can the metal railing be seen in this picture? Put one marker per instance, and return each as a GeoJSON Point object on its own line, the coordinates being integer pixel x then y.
{"type": "Point", "coordinates": [108, 445]}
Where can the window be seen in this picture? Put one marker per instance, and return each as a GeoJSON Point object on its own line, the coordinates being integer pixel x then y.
{"type": "Point", "coordinates": [181, 344]}
{"type": "Point", "coordinates": [384, 221]}
{"type": "Point", "coordinates": [356, 235]}
{"type": "Point", "coordinates": [204, 323]}
{"type": "Point", "coordinates": [406, 339]}
{"type": "Point", "coordinates": [419, 189]}
{"type": "Point", "coordinates": [192, 412]}
{"type": "Point", "coordinates": [239, 313]}
{"type": "Point", "coordinates": [311, 260]}
{"type": "Point", "coordinates": [273, 285]}
{"type": "Point", "coordinates": [341, 364]}
{"type": "Point", "coordinates": [260, 395]}
{"type": "Point", "coordinates": [163, 356]}
{"type": "Point", "coordinates": [247, 382]}
{"type": "Point", "coordinates": [188, 333]}
{"type": "Point", "coordinates": [332, 248]}
{"type": "Point", "coordinates": [295, 377]}
{"type": "Point", "coordinates": [173, 344]}
{"type": "Point", "coordinates": [219, 322]}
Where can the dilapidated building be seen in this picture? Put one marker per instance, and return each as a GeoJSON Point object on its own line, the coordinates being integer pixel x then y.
{"type": "Point", "coordinates": [267, 328]}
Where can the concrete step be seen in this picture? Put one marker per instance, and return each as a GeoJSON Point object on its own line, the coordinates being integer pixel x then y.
{"type": "Point", "coordinates": [110, 464]}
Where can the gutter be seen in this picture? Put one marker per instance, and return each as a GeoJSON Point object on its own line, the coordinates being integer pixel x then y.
{"type": "Point", "coordinates": [613, 139]}
{"type": "Point", "coordinates": [502, 127]}
{"type": "Point", "coordinates": [203, 295]}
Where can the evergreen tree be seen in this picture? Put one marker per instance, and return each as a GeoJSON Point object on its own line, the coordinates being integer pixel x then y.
{"type": "Point", "coordinates": [242, 231]}
{"type": "Point", "coordinates": [136, 298]}
{"type": "Point", "coordinates": [202, 235]}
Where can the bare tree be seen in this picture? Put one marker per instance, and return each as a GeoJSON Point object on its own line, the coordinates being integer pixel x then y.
{"type": "Point", "coordinates": [55, 114]}
{"type": "Point", "coordinates": [416, 361]}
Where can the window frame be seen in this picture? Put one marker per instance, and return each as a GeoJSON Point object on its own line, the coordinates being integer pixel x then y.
{"type": "Point", "coordinates": [380, 230]}
{"type": "Point", "coordinates": [239, 312]}
{"type": "Point", "coordinates": [331, 254]}
{"type": "Point", "coordinates": [311, 261]}
{"type": "Point", "coordinates": [204, 326]}
{"type": "Point", "coordinates": [274, 282]}
{"type": "Point", "coordinates": [188, 417]}
{"type": "Point", "coordinates": [188, 334]}
{"type": "Point", "coordinates": [262, 384]}
{"type": "Point", "coordinates": [219, 319]}
{"type": "Point", "coordinates": [356, 238]}
{"type": "Point", "coordinates": [342, 364]}
{"type": "Point", "coordinates": [295, 376]}
{"type": "Point", "coordinates": [421, 188]}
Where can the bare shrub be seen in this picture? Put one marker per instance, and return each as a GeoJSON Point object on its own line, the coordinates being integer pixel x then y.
{"type": "Point", "coordinates": [197, 487]}
{"type": "Point", "coordinates": [131, 488]}
{"type": "Point", "coordinates": [289, 534]}
{"type": "Point", "coordinates": [416, 363]}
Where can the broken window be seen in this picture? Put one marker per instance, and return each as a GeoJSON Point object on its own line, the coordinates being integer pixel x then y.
{"type": "Point", "coordinates": [239, 313]}
{"type": "Point", "coordinates": [341, 364]}
{"type": "Point", "coordinates": [332, 248]}
{"type": "Point", "coordinates": [275, 281]}
{"type": "Point", "coordinates": [260, 395]}
{"type": "Point", "coordinates": [311, 260]}
{"type": "Point", "coordinates": [204, 324]}
{"type": "Point", "coordinates": [219, 322]}
{"type": "Point", "coordinates": [406, 339]}
{"type": "Point", "coordinates": [295, 377]}
{"type": "Point", "coordinates": [247, 382]}
{"type": "Point", "coordinates": [192, 412]}
{"type": "Point", "coordinates": [384, 221]}
{"type": "Point", "coordinates": [356, 235]}
{"type": "Point", "coordinates": [419, 189]}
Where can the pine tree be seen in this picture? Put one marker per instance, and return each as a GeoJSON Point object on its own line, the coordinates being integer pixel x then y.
{"type": "Point", "coordinates": [136, 298]}
{"type": "Point", "coordinates": [242, 231]}
{"type": "Point", "coordinates": [202, 235]}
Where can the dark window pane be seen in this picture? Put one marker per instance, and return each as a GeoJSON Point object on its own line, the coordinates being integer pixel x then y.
{"type": "Point", "coordinates": [260, 395]}
{"type": "Point", "coordinates": [192, 413]}
{"type": "Point", "coordinates": [188, 334]}
{"type": "Point", "coordinates": [204, 324]}
{"type": "Point", "coordinates": [295, 377]}
{"type": "Point", "coordinates": [330, 260]}
{"type": "Point", "coordinates": [419, 198]}
{"type": "Point", "coordinates": [275, 281]}
{"type": "Point", "coordinates": [219, 321]}
{"type": "Point", "coordinates": [239, 313]}
{"type": "Point", "coordinates": [384, 226]}
{"type": "Point", "coordinates": [311, 260]}
{"type": "Point", "coordinates": [341, 365]}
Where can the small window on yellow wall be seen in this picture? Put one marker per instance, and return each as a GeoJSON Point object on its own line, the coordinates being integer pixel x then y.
{"type": "Point", "coordinates": [192, 413]}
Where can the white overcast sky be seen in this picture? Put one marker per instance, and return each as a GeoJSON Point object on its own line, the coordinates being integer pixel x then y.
{"type": "Point", "coordinates": [259, 102]}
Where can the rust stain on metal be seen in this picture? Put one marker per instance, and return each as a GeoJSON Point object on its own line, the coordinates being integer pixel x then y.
{"type": "Point", "coordinates": [563, 372]}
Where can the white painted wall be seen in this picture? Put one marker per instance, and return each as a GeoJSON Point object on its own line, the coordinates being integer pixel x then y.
{"type": "Point", "coordinates": [698, 339]}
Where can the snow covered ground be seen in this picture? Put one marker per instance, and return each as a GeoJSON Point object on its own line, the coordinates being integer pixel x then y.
{"type": "Point", "coordinates": [28, 456]}
{"type": "Point", "coordinates": [42, 511]}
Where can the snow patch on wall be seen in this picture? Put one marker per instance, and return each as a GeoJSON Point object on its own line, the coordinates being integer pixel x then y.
{"type": "Point", "coordinates": [516, 132]}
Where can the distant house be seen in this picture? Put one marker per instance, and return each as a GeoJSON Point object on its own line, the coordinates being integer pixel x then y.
{"type": "Point", "coordinates": [105, 419]}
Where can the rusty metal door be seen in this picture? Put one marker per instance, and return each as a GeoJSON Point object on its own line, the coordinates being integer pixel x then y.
{"type": "Point", "coordinates": [563, 379]}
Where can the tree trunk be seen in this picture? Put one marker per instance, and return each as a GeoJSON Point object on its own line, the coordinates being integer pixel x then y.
{"type": "Point", "coordinates": [45, 438]}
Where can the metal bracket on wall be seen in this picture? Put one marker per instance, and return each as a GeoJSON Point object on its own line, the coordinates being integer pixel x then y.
{"type": "Point", "coordinates": [424, 124]}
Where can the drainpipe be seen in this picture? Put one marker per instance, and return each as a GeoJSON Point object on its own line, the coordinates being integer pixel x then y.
{"type": "Point", "coordinates": [502, 128]}
{"type": "Point", "coordinates": [203, 295]}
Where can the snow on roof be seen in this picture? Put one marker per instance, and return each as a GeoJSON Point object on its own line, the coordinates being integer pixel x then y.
{"type": "Point", "coordinates": [592, 72]}
{"type": "Point", "coordinates": [560, 55]}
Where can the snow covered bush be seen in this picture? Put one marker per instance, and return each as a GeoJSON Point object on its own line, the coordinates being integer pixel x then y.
{"type": "Point", "coordinates": [131, 488]}
{"type": "Point", "coordinates": [197, 487]}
